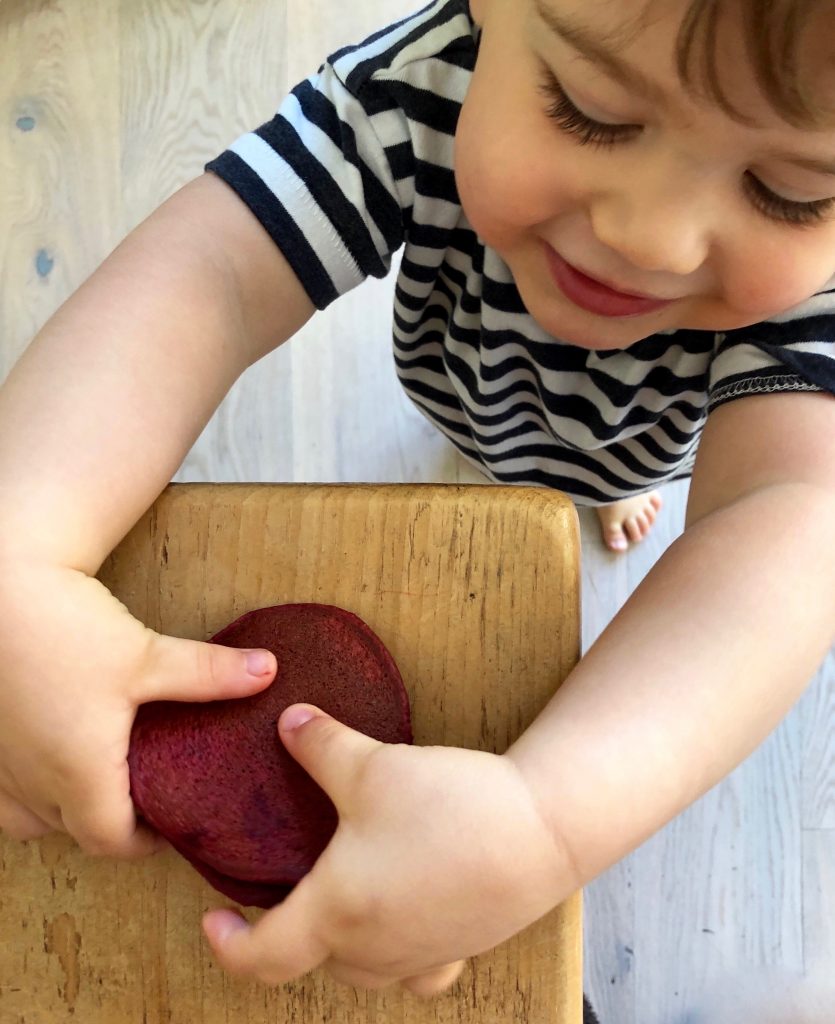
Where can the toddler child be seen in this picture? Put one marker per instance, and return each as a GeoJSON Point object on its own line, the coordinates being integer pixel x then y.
{"type": "Point", "coordinates": [618, 230]}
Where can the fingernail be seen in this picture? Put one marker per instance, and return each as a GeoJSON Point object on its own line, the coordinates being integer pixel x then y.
{"type": "Point", "coordinates": [259, 663]}
{"type": "Point", "coordinates": [295, 717]}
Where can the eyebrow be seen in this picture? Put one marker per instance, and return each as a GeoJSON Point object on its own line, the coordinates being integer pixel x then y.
{"type": "Point", "coordinates": [595, 51]}
{"type": "Point", "coordinates": [584, 42]}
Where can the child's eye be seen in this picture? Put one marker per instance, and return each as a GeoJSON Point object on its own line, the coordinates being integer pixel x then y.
{"type": "Point", "coordinates": [598, 133]}
{"type": "Point", "coordinates": [575, 122]}
{"type": "Point", "coordinates": [786, 211]}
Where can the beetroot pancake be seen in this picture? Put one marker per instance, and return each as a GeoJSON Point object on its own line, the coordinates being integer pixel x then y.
{"type": "Point", "coordinates": [215, 779]}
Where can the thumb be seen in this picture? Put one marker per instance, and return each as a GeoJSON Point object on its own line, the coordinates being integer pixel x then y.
{"type": "Point", "coordinates": [190, 670]}
{"type": "Point", "coordinates": [329, 751]}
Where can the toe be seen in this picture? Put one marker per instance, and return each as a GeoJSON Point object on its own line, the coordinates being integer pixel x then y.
{"type": "Point", "coordinates": [633, 529]}
{"type": "Point", "coordinates": [615, 539]}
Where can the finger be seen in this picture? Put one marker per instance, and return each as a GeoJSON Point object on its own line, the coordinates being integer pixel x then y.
{"type": "Point", "coordinates": [18, 822]}
{"type": "Point", "coordinates": [189, 670]}
{"type": "Point", "coordinates": [280, 946]}
{"type": "Point", "coordinates": [433, 982]}
{"type": "Point", "coordinates": [330, 752]}
{"type": "Point", "coordinates": [103, 822]}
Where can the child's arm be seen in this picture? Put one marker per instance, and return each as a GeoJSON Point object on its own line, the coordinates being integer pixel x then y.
{"type": "Point", "coordinates": [712, 649]}
{"type": "Point", "coordinates": [95, 418]}
{"type": "Point", "coordinates": [441, 853]}
{"type": "Point", "coordinates": [100, 410]}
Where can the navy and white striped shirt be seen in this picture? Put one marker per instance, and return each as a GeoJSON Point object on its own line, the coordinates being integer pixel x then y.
{"type": "Point", "coordinates": [358, 162]}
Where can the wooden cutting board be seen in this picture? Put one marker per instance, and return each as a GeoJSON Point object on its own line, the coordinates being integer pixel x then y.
{"type": "Point", "coordinates": [474, 590]}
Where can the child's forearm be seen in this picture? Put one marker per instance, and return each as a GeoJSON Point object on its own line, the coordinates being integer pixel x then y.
{"type": "Point", "coordinates": [99, 412]}
{"type": "Point", "coordinates": [699, 666]}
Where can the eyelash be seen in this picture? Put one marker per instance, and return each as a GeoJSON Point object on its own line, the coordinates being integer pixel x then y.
{"type": "Point", "coordinates": [778, 208]}
{"type": "Point", "coordinates": [595, 133]}
{"type": "Point", "coordinates": [575, 122]}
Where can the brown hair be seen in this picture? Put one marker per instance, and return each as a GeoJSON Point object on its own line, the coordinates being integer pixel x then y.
{"type": "Point", "coordinates": [773, 34]}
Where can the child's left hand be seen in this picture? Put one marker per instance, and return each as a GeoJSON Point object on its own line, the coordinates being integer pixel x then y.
{"type": "Point", "coordinates": [440, 854]}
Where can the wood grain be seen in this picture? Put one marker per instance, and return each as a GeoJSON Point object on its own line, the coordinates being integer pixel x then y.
{"type": "Point", "coordinates": [818, 890]}
{"type": "Point", "coordinates": [740, 883]}
{"type": "Point", "coordinates": [474, 590]}
{"type": "Point", "coordinates": [817, 722]}
{"type": "Point", "coordinates": [53, 160]}
{"type": "Point", "coordinates": [91, 94]}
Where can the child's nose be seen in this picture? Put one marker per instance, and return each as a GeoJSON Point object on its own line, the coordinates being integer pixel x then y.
{"type": "Point", "coordinates": [652, 230]}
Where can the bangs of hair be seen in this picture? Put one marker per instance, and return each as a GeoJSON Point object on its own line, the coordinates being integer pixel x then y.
{"type": "Point", "coordinates": [773, 31]}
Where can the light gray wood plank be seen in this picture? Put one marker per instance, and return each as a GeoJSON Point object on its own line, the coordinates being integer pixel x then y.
{"type": "Point", "coordinates": [191, 77]}
{"type": "Point", "coordinates": [719, 892]}
{"type": "Point", "coordinates": [819, 899]}
{"type": "Point", "coordinates": [818, 716]}
{"type": "Point", "coordinates": [318, 27]}
{"type": "Point", "coordinates": [722, 883]}
{"type": "Point", "coordinates": [59, 158]}
{"type": "Point", "coordinates": [609, 579]}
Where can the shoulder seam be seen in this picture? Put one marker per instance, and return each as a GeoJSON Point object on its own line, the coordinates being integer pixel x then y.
{"type": "Point", "coordinates": [761, 385]}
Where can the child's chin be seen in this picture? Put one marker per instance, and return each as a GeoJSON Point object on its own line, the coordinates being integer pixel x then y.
{"type": "Point", "coordinates": [597, 333]}
{"type": "Point", "coordinates": [769, 997]}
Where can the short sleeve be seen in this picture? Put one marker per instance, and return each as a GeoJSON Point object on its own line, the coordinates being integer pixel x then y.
{"type": "Point", "coordinates": [793, 352]}
{"type": "Point", "coordinates": [323, 183]}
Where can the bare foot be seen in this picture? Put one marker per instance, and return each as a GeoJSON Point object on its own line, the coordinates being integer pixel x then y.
{"type": "Point", "coordinates": [631, 518]}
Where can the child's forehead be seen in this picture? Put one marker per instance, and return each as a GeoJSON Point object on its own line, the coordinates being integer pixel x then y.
{"type": "Point", "coordinates": [723, 52]}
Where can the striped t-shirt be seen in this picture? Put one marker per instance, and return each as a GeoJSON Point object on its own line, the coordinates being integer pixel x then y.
{"type": "Point", "coordinates": [358, 162]}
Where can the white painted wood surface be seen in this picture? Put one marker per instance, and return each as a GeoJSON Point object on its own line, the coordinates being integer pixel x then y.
{"type": "Point", "coordinates": [110, 106]}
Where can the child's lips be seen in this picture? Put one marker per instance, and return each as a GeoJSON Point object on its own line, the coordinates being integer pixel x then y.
{"type": "Point", "coordinates": [594, 296]}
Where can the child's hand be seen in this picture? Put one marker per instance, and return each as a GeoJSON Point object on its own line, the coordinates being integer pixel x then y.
{"type": "Point", "coordinates": [440, 853]}
{"type": "Point", "coordinates": [74, 665]}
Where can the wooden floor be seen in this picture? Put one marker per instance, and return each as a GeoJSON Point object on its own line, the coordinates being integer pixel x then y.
{"type": "Point", "coordinates": [108, 107]}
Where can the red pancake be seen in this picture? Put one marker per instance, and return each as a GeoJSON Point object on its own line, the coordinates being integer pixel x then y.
{"type": "Point", "coordinates": [215, 779]}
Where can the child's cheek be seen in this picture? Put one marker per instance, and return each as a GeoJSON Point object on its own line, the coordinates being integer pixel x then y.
{"type": "Point", "coordinates": [477, 174]}
{"type": "Point", "coordinates": [490, 172]}
{"type": "Point", "coordinates": [776, 278]}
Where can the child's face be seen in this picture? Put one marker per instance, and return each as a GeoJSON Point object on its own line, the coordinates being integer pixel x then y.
{"type": "Point", "coordinates": [679, 207]}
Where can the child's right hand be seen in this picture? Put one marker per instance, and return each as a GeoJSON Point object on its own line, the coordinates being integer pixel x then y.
{"type": "Point", "coordinates": [74, 666]}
